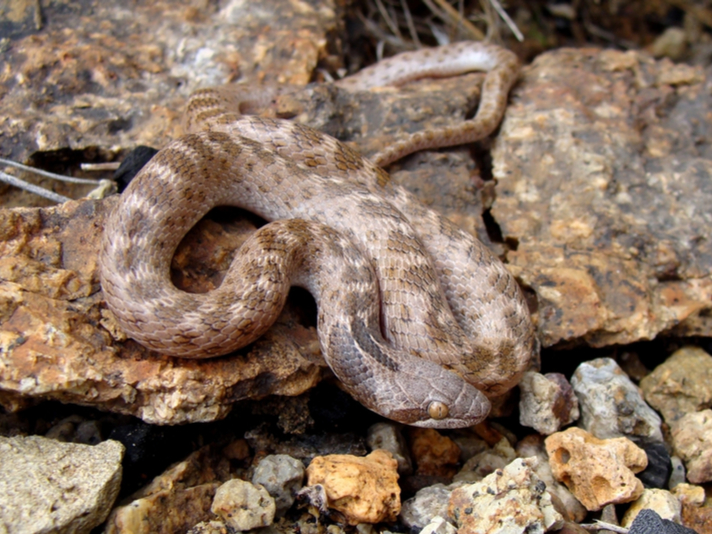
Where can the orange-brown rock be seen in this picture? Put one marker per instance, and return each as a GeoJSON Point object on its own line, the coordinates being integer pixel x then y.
{"type": "Point", "coordinates": [597, 471]}
{"type": "Point", "coordinates": [433, 453]}
{"type": "Point", "coordinates": [363, 489]}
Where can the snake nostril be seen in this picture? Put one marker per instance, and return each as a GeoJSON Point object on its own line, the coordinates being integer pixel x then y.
{"type": "Point", "coordinates": [437, 410]}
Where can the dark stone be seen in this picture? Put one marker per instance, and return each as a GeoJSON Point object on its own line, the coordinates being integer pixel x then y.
{"type": "Point", "coordinates": [132, 163]}
{"type": "Point", "coordinates": [659, 469]}
{"type": "Point", "coordinates": [649, 522]}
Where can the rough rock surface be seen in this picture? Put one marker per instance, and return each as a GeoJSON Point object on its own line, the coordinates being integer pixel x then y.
{"type": "Point", "coordinates": [598, 472]}
{"type": "Point", "coordinates": [649, 522]}
{"type": "Point", "coordinates": [282, 476]}
{"type": "Point", "coordinates": [388, 436]}
{"type": "Point", "coordinates": [243, 506]}
{"type": "Point", "coordinates": [362, 489]}
{"type": "Point", "coordinates": [433, 453]}
{"type": "Point", "coordinates": [50, 486]}
{"type": "Point", "coordinates": [611, 404]}
{"type": "Point", "coordinates": [692, 440]}
{"type": "Point", "coordinates": [438, 525]}
{"type": "Point", "coordinates": [665, 504]}
{"type": "Point", "coordinates": [429, 502]}
{"type": "Point", "coordinates": [512, 500]}
{"type": "Point", "coordinates": [486, 462]}
{"type": "Point", "coordinates": [680, 385]}
{"type": "Point", "coordinates": [547, 402]}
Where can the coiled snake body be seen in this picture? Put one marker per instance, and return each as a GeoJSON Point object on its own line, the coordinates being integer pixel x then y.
{"type": "Point", "coordinates": [415, 317]}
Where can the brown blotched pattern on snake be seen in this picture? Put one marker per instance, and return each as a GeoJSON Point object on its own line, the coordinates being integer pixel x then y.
{"type": "Point", "coordinates": [415, 316]}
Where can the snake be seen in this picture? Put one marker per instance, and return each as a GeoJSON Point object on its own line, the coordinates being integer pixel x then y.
{"type": "Point", "coordinates": [416, 318]}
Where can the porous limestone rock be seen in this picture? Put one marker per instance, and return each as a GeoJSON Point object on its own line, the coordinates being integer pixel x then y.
{"type": "Point", "coordinates": [363, 489]}
{"type": "Point", "coordinates": [243, 506]}
{"type": "Point", "coordinates": [692, 440]}
{"type": "Point", "coordinates": [51, 486]}
{"type": "Point", "coordinates": [597, 472]}
{"type": "Point", "coordinates": [547, 402]}
{"type": "Point", "coordinates": [512, 500]}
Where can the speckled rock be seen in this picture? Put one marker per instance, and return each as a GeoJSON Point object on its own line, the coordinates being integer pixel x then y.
{"type": "Point", "coordinates": [282, 477]}
{"type": "Point", "coordinates": [692, 440]}
{"type": "Point", "coordinates": [50, 486]}
{"type": "Point", "coordinates": [209, 527]}
{"type": "Point", "coordinates": [665, 504]}
{"type": "Point", "coordinates": [438, 525]}
{"type": "Point", "coordinates": [243, 506]}
{"type": "Point", "coordinates": [362, 489]}
{"type": "Point", "coordinates": [387, 436]}
{"type": "Point", "coordinates": [547, 402]}
{"type": "Point", "coordinates": [433, 453]}
{"type": "Point", "coordinates": [486, 462]}
{"type": "Point", "coordinates": [564, 501]}
{"type": "Point", "coordinates": [681, 384]}
{"type": "Point", "coordinates": [512, 500]}
{"type": "Point", "coordinates": [611, 405]}
{"type": "Point", "coordinates": [426, 504]}
{"type": "Point", "coordinates": [597, 472]}
{"type": "Point", "coordinates": [695, 514]}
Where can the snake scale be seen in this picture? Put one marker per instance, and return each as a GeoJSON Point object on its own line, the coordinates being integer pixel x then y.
{"type": "Point", "coordinates": [416, 318]}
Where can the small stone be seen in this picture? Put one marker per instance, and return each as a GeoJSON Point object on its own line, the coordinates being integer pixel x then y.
{"type": "Point", "coordinates": [50, 486]}
{"type": "Point", "coordinates": [547, 402]}
{"type": "Point", "coordinates": [209, 527]}
{"type": "Point", "coordinates": [512, 500]}
{"type": "Point", "coordinates": [243, 506]}
{"type": "Point", "coordinates": [388, 436]}
{"type": "Point", "coordinates": [469, 444]}
{"type": "Point", "coordinates": [426, 504]}
{"type": "Point", "coordinates": [689, 494]}
{"type": "Point", "coordinates": [665, 504]}
{"type": "Point", "coordinates": [612, 405]}
{"type": "Point", "coordinates": [649, 522]}
{"type": "Point", "coordinates": [659, 469]}
{"type": "Point", "coordinates": [692, 440]}
{"type": "Point", "coordinates": [438, 525]}
{"type": "Point", "coordinates": [486, 462]}
{"type": "Point", "coordinates": [682, 384]}
{"type": "Point", "coordinates": [678, 475]}
{"type": "Point", "coordinates": [567, 505]}
{"type": "Point", "coordinates": [433, 453]}
{"type": "Point", "coordinates": [362, 489]}
{"type": "Point", "coordinates": [282, 476]}
{"type": "Point", "coordinates": [597, 472]}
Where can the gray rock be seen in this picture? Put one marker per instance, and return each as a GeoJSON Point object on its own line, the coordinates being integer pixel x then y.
{"type": "Point", "coordinates": [429, 502]}
{"type": "Point", "coordinates": [612, 405]}
{"type": "Point", "coordinates": [387, 436]}
{"type": "Point", "coordinates": [282, 476]}
{"type": "Point", "coordinates": [243, 506]}
{"type": "Point", "coordinates": [50, 486]}
{"type": "Point", "coordinates": [649, 522]}
{"type": "Point", "coordinates": [547, 402]}
{"type": "Point", "coordinates": [438, 525]}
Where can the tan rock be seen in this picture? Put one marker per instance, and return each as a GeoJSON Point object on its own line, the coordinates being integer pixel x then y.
{"type": "Point", "coordinates": [433, 453]}
{"type": "Point", "coordinates": [692, 441]}
{"type": "Point", "coordinates": [681, 384]}
{"type": "Point", "coordinates": [363, 489]}
{"type": "Point", "coordinates": [512, 500]}
{"type": "Point", "coordinates": [243, 505]}
{"type": "Point", "coordinates": [547, 402]}
{"type": "Point", "coordinates": [665, 504]}
{"type": "Point", "coordinates": [598, 472]}
{"type": "Point", "coordinates": [689, 494]}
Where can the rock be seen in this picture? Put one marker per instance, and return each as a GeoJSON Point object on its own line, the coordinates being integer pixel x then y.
{"type": "Point", "coordinates": [512, 500]}
{"type": "Point", "coordinates": [362, 489]}
{"type": "Point", "coordinates": [649, 522]}
{"type": "Point", "coordinates": [665, 504]}
{"type": "Point", "coordinates": [659, 469]}
{"type": "Point", "coordinates": [243, 506]}
{"type": "Point", "coordinates": [678, 475]}
{"type": "Point", "coordinates": [77, 430]}
{"type": "Point", "coordinates": [597, 472]}
{"type": "Point", "coordinates": [282, 477]}
{"type": "Point", "coordinates": [611, 405]}
{"type": "Point", "coordinates": [433, 453]}
{"type": "Point", "coordinates": [547, 402]}
{"type": "Point", "coordinates": [564, 501]}
{"type": "Point", "coordinates": [209, 527]}
{"type": "Point", "coordinates": [486, 462]}
{"type": "Point", "coordinates": [681, 384]}
{"type": "Point", "coordinates": [689, 494]}
{"type": "Point", "coordinates": [469, 444]}
{"type": "Point", "coordinates": [692, 441]}
{"type": "Point", "coordinates": [388, 436]}
{"type": "Point", "coordinates": [50, 486]}
{"type": "Point", "coordinates": [438, 525]}
{"type": "Point", "coordinates": [426, 504]}
{"type": "Point", "coordinates": [164, 511]}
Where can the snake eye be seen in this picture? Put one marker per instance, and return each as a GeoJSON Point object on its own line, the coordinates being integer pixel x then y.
{"type": "Point", "coordinates": [437, 410]}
